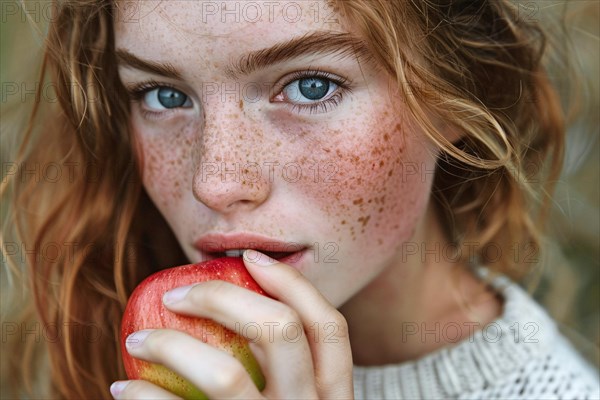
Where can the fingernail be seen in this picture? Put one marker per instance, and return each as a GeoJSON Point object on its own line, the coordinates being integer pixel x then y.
{"type": "Point", "coordinates": [177, 294]}
{"type": "Point", "coordinates": [117, 387]}
{"type": "Point", "coordinates": [136, 339]}
{"type": "Point", "coordinates": [257, 258]}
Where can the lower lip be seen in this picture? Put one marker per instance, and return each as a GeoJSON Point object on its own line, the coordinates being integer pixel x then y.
{"type": "Point", "coordinates": [294, 259]}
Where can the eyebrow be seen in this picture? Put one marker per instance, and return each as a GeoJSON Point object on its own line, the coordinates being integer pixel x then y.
{"type": "Point", "coordinates": [314, 43]}
{"type": "Point", "coordinates": [164, 69]}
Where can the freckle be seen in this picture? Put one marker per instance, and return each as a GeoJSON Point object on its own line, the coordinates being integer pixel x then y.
{"type": "Point", "coordinates": [380, 209]}
{"type": "Point", "coordinates": [379, 241]}
{"type": "Point", "coordinates": [386, 137]}
{"type": "Point", "coordinates": [344, 222]}
{"type": "Point", "coordinates": [358, 201]}
{"type": "Point", "coordinates": [278, 143]}
{"type": "Point", "coordinates": [381, 163]}
{"type": "Point", "coordinates": [390, 172]}
{"type": "Point", "coordinates": [241, 105]}
{"type": "Point", "coordinates": [364, 220]}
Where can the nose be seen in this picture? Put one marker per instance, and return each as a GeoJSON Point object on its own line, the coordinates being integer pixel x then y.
{"type": "Point", "coordinates": [228, 177]}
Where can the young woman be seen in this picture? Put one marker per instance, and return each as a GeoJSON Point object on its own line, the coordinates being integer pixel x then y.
{"type": "Point", "coordinates": [374, 153]}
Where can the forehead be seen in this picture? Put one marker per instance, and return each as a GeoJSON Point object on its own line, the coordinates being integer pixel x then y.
{"type": "Point", "coordinates": [144, 26]}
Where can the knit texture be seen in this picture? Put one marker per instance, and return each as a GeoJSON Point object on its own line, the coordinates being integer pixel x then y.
{"type": "Point", "coordinates": [520, 355]}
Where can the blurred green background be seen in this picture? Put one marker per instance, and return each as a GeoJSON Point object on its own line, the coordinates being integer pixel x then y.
{"type": "Point", "coordinates": [570, 286]}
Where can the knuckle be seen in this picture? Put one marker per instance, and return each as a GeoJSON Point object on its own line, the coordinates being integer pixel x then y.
{"type": "Point", "coordinates": [286, 315]}
{"type": "Point", "coordinates": [338, 320]}
{"type": "Point", "coordinates": [286, 321]}
{"type": "Point", "coordinates": [331, 384]}
{"type": "Point", "coordinates": [231, 379]}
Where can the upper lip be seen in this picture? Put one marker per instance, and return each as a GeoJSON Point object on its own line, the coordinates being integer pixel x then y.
{"type": "Point", "coordinates": [218, 243]}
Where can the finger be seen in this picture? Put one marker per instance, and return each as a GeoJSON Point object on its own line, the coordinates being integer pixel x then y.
{"type": "Point", "coordinates": [275, 330]}
{"type": "Point", "coordinates": [326, 328]}
{"type": "Point", "coordinates": [216, 373]}
{"type": "Point", "coordinates": [138, 389]}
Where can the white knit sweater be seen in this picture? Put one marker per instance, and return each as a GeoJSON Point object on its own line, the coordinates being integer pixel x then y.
{"type": "Point", "coordinates": [520, 355]}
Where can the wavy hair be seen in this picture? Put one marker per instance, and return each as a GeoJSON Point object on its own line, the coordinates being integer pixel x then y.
{"type": "Point", "coordinates": [473, 68]}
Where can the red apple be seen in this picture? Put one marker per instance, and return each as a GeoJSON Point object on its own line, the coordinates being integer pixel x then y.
{"type": "Point", "coordinates": [145, 310]}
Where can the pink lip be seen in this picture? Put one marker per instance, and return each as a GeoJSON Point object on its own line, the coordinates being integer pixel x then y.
{"type": "Point", "coordinates": [210, 244]}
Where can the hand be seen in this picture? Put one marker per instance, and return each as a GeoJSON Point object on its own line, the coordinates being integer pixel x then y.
{"type": "Point", "coordinates": [315, 362]}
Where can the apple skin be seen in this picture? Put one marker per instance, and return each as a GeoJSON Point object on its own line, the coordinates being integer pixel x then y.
{"type": "Point", "coordinates": [145, 310]}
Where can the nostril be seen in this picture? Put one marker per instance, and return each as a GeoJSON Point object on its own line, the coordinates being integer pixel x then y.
{"type": "Point", "coordinates": [241, 203]}
{"type": "Point", "coordinates": [244, 201]}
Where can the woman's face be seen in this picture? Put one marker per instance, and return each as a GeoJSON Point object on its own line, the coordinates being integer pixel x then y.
{"type": "Point", "coordinates": [264, 122]}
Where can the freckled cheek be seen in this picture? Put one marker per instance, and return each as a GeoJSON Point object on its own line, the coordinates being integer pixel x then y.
{"type": "Point", "coordinates": [167, 171]}
{"type": "Point", "coordinates": [404, 187]}
{"type": "Point", "coordinates": [375, 190]}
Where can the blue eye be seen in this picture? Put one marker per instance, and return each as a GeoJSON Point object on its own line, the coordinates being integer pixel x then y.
{"type": "Point", "coordinates": [309, 90]}
{"type": "Point", "coordinates": [313, 88]}
{"type": "Point", "coordinates": [312, 91]}
{"type": "Point", "coordinates": [164, 98]}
